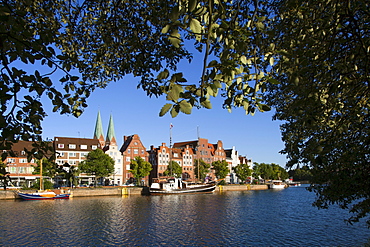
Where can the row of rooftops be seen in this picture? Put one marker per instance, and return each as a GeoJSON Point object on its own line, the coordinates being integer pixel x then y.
{"type": "Point", "coordinates": [86, 144]}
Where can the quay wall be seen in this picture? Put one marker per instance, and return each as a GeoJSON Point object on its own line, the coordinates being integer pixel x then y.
{"type": "Point", "coordinates": [120, 191]}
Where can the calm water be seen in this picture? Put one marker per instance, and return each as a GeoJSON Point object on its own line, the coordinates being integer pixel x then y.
{"type": "Point", "coordinates": [250, 218]}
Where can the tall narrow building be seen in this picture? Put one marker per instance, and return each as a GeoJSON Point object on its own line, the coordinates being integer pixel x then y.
{"type": "Point", "coordinates": [98, 133]}
{"type": "Point", "coordinates": [111, 148]}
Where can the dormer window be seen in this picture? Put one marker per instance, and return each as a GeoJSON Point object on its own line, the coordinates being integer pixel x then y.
{"type": "Point", "coordinates": [72, 146]}
{"type": "Point", "coordinates": [60, 145]}
{"type": "Point", "coordinates": [93, 147]}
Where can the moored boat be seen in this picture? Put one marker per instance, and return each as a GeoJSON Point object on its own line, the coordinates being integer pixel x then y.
{"type": "Point", "coordinates": [277, 184]}
{"type": "Point", "coordinates": [44, 195]}
{"type": "Point", "coordinates": [177, 186]}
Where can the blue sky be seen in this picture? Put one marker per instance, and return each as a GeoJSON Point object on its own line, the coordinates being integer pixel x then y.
{"type": "Point", "coordinates": [257, 137]}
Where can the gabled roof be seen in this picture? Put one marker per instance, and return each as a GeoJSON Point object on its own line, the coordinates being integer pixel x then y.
{"type": "Point", "coordinates": [20, 146]}
{"type": "Point", "coordinates": [128, 140]}
{"type": "Point", "coordinates": [192, 144]}
{"type": "Point", "coordinates": [79, 142]}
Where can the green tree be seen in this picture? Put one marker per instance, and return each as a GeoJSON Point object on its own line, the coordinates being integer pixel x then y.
{"type": "Point", "coordinates": [262, 170]}
{"type": "Point", "coordinates": [301, 174]}
{"type": "Point", "coordinates": [201, 168]}
{"type": "Point", "coordinates": [242, 171]}
{"type": "Point", "coordinates": [49, 168]}
{"type": "Point", "coordinates": [221, 169]}
{"type": "Point", "coordinates": [140, 168]}
{"type": "Point", "coordinates": [4, 175]}
{"type": "Point", "coordinates": [322, 97]}
{"type": "Point", "coordinates": [72, 175]}
{"type": "Point", "coordinates": [47, 184]}
{"type": "Point", "coordinates": [65, 50]}
{"type": "Point", "coordinates": [173, 169]}
{"type": "Point", "coordinates": [97, 163]}
{"type": "Point", "coordinates": [307, 59]}
{"type": "Point", "coordinates": [278, 172]}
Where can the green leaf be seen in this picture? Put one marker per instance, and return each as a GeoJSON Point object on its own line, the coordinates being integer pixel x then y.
{"type": "Point", "coordinates": [165, 109]}
{"type": "Point", "coordinates": [175, 38]}
{"type": "Point", "coordinates": [174, 111]}
{"type": "Point", "coordinates": [175, 13]}
{"type": "Point", "coordinates": [185, 107]}
{"type": "Point", "coordinates": [163, 75]}
{"type": "Point", "coordinates": [192, 4]}
{"type": "Point", "coordinates": [273, 81]}
{"type": "Point", "coordinates": [206, 103]}
{"type": "Point", "coordinates": [166, 28]}
{"type": "Point", "coordinates": [211, 64]}
{"type": "Point", "coordinates": [174, 93]}
{"type": "Point", "coordinates": [195, 26]}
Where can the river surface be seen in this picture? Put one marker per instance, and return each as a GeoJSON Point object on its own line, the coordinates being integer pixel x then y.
{"type": "Point", "coordinates": [240, 218]}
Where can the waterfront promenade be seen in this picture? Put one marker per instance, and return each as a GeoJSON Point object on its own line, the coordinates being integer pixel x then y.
{"type": "Point", "coordinates": [122, 191]}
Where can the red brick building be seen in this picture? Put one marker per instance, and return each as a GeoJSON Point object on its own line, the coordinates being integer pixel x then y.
{"type": "Point", "coordinates": [132, 147]}
{"type": "Point", "coordinates": [18, 166]}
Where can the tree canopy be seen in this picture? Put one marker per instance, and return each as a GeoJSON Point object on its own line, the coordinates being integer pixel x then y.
{"type": "Point", "coordinates": [269, 171]}
{"type": "Point", "coordinates": [97, 163]}
{"type": "Point", "coordinates": [221, 169]}
{"type": "Point", "coordinates": [242, 171]}
{"type": "Point", "coordinates": [173, 169]}
{"type": "Point", "coordinates": [309, 60]}
{"type": "Point", "coordinates": [140, 168]}
{"type": "Point", "coordinates": [201, 168]}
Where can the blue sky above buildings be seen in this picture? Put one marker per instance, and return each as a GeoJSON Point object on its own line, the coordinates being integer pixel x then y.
{"type": "Point", "coordinates": [257, 137]}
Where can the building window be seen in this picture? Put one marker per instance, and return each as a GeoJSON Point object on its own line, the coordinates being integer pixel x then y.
{"type": "Point", "coordinates": [22, 160]}
{"type": "Point", "coordinates": [93, 147]}
{"type": "Point", "coordinates": [136, 151]}
{"type": "Point", "coordinates": [72, 162]}
{"type": "Point", "coordinates": [60, 145]}
{"type": "Point", "coordinates": [129, 151]}
{"type": "Point", "coordinates": [142, 151]}
{"type": "Point", "coordinates": [83, 146]}
{"type": "Point", "coordinates": [128, 159]}
{"type": "Point", "coordinates": [72, 146]}
{"type": "Point", "coordinates": [23, 152]}
{"type": "Point", "coordinates": [175, 155]}
{"type": "Point", "coordinates": [11, 160]}
{"type": "Point", "coordinates": [72, 155]}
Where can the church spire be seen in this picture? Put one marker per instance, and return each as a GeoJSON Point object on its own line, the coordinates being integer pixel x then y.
{"type": "Point", "coordinates": [111, 136]}
{"type": "Point", "coordinates": [98, 133]}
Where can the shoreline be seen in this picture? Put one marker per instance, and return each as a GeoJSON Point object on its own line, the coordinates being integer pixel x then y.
{"type": "Point", "coordinates": [10, 194]}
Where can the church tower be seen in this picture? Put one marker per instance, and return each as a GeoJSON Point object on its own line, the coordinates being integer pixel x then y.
{"type": "Point", "coordinates": [98, 133]}
{"type": "Point", "coordinates": [111, 136]}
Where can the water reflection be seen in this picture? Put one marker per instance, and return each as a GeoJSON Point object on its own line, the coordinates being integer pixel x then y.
{"type": "Point", "coordinates": [249, 218]}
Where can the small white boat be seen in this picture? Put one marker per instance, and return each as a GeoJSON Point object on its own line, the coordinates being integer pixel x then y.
{"type": "Point", "coordinates": [277, 184]}
{"type": "Point", "coordinates": [177, 186]}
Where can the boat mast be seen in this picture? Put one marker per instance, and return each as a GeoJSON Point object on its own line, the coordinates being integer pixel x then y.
{"type": "Point", "coordinates": [41, 182]}
{"type": "Point", "coordinates": [198, 153]}
{"type": "Point", "coordinates": [171, 149]}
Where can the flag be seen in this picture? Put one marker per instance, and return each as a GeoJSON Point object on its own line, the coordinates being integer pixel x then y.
{"type": "Point", "coordinates": [171, 126]}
